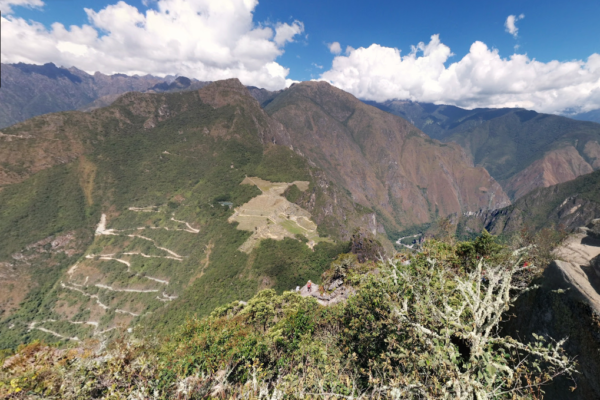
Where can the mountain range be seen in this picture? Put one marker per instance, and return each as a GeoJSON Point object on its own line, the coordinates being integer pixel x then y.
{"type": "Point", "coordinates": [30, 90]}
{"type": "Point", "coordinates": [179, 196]}
{"type": "Point", "coordinates": [593, 116]}
{"type": "Point", "coordinates": [566, 206]}
{"type": "Point", "coordinates": [521, 149]}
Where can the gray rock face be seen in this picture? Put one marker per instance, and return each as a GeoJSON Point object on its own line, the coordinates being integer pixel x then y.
{"type": "Point", "coordinates": [341, 293]}
{"type": "Point", "coordinates": [594, 228]}
{"type": "Point", "coordinates": [595, 264]}
{"type": "Point", "coordinates": [567, 305]}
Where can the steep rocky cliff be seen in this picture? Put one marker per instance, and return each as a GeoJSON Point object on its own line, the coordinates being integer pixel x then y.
{"type": "Point", "coordinates": [567, 305]}
{"type": "Point", "coordinates": [522, 149]}
{"type": "Point", "coordinates": [385, 162]}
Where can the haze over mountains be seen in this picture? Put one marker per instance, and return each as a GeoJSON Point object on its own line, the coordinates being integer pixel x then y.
{"type": "Point", "coordinates": [29, 90]}
{"type": "Point", "coordinates": [593, 116]}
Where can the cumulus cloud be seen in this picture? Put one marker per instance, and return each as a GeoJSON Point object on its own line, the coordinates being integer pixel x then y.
{"type": "Point", "coordinates": [285, 33]}
{"type": "Point", "coordinates": [480, 79]}
{"type": "Point", "coordinates": [204, 39]}
{"type": "Point", "coordinates": [6, 5]}
{"type": "Point", "coordinates": [334, 48]}
{"type": "Point", "coordinates": [511, 26]}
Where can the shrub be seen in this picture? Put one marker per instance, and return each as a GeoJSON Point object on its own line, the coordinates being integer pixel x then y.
{"type": "Point", "coordinates": [418, 329]}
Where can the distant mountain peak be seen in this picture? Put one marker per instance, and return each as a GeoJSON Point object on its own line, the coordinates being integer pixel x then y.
{"type": "Point", "coordinates": [49, 70]}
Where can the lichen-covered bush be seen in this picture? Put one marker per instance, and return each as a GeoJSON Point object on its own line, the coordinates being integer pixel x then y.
{"type": "Point", "coordinates": [422, 329]}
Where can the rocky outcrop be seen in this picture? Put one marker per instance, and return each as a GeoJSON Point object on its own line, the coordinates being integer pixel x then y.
{"type": "Point", "coordinates": [595, 264]}
{"type": "Point", "coordinates": [575, 264]}
{"type": "Point", "coordinates": [567, 305]}
{"type": "Point", "coordinates": [594, 228]}
{"type": "Point", "coordinates": [334, 293]}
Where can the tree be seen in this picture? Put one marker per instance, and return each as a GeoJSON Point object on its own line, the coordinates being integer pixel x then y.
{"type": "Point", "coordinates": [454, 349]}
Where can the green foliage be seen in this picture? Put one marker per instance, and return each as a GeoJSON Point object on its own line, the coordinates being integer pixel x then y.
{"type": "Point", "coordinates": [281, 164]}
{"type": "Point", "coordinates": [417, 330]}
{"type": "Point", "coordinates": [180, 169]}
{"type": "Point", "coordinates": [483, 247]}
{"type": "Point", "coordinates": [292, 263]}
{"type": "Point", "coordinates": [48, 203]}
{"type": "Point", "coordinates": [292, 193]}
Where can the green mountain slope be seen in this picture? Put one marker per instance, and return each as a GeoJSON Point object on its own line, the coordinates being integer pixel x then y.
{"type": "Point", "coordinates": [521, 149]}
{"type": "Point", "coordinates": [134, 225]}
{"type": "Point", "coordinates": [565, 206]}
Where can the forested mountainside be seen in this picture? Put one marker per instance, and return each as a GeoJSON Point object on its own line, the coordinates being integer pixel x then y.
{"type": "Point", "coordinates": [566, 206]}
{"type": "Point", "coordinates": [167, 204]}
{"type": "Point", "coordinates": [383, 161]}
{"type": "Point", "coordinates": [521, 149]}
{"type": "Point", "coordinates": [158, 202]}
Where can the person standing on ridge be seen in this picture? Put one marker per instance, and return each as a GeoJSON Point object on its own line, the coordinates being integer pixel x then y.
{"type": "Point", "coordinates": [308, 285]}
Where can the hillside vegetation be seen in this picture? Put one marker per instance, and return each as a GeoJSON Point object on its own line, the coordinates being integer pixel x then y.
{"type": "Point", "coordinates": [422, 327]}
{"type": "Point", "coordinates": [565, 207]}
{"type": "Point", "coordinates": [134, 226]}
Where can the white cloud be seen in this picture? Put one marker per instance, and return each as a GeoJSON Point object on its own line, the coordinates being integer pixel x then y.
{"type": "Point", "coordinates": [510, 24]}
{"type": "Point", "coordinates": [204, 39]}
{"type": "Point", "coordinates": [334, 48]}
{"type": "Point", "coordinates": [285, 33]}
{"type": "Point", "coordinates": [317, 65]}
{"type": "Point", "coordinates": [6, 5]}
{"type": "Point", "coordinates": [480, 79]}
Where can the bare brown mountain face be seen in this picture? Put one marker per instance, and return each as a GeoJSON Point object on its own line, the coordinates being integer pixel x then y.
{"type": "Point", "coordinates": [522, 149]}
{"type": "Point", "coordinates": [30, 90]}
{"type": "Point", "coordinates": [556, 166]}
{"type": "Point", "coordinates": [385, 162]}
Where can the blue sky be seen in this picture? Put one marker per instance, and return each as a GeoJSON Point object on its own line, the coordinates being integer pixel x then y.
{"type": "Point", "coordinates": [550, 30]}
